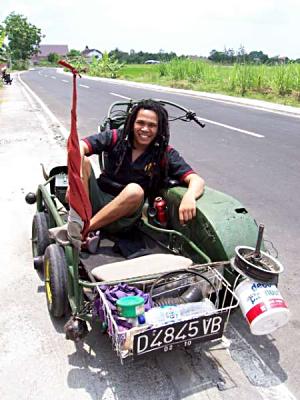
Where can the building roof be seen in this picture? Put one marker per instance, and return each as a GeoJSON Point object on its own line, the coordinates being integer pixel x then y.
{"type": "Point", "coordinates": [87, 51]}
{"type": "Point", "coordinates": [46, 49]}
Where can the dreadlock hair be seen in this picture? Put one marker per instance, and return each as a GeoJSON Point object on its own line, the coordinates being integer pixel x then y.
{"type": "Point", "coordinates": [158, 165]}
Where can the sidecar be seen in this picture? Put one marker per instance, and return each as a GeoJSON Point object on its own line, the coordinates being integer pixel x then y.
{"type": "Point", "coordinates": [170, 266]}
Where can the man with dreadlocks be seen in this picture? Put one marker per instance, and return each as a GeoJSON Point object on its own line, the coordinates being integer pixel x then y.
{"type": "Point", "coordinates": [139, 160]}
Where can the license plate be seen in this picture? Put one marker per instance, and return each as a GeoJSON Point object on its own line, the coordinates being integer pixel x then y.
{"type": "Point", "coordinates": [180, 333]}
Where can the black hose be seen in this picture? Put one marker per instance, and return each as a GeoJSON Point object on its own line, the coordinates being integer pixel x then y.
{"type": "Point", "coordinates": [169, 301]}
{"type": "Point", "coordinates": [189, 271]}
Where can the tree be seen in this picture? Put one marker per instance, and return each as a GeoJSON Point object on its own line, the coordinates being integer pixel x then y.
{"type": "Point", "coordinates": [229, 55]}
{"type": "Point", "coordinates": [23, 37]}
{"type": "Point", "coordinates": [119, 55]}
{"type": "Point", "coordinates": [241, 55]}
{"type": "Point", "coordinates": [53, 57]}
{"type": "Point", "coordinates": [258, 57]}
{"type": "Point", "coordinates": [2, 37]}
{"type": "Point", "coordinates": [216, 56]}
{"type": "Point", "coordinates": [74, 53]}
{"type": "Point", "coordinates": [4, 54]}
{"type": "Point", "coordinates": [140, 57]}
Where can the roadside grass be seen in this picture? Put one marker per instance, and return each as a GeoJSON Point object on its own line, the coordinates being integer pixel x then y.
{"type": "Point", "coordinates": [280, 83]}
{"type": "Point", "coordinates": [46, 63]}
{"type": "Point", "coordinates": [140, 72]}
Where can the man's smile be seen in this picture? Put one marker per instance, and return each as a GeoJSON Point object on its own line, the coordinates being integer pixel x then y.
{"type": "Point", "coordinates": [145, 127]}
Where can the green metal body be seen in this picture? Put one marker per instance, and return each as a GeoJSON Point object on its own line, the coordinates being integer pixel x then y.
{"type": "Point", "coordinates": [221, 223]}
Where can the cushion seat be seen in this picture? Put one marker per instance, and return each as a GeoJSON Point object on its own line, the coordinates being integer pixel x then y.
{"type": "Point", "coordinates": [141, 266]}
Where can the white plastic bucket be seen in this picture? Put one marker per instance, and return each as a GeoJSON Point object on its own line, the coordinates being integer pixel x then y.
{"type": "Point", "coordinates": [262, 305]}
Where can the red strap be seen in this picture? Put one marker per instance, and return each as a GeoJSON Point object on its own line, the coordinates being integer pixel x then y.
{"type": "Point", "coordinates": [114, 137]}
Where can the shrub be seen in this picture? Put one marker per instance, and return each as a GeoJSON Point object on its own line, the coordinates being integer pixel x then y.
{"type": "Point", "coordinates": [53, 57]}
{"type": "Point", "coordinates": [20, 64]}
{"type": "Point", "coordinates": [106, 67]}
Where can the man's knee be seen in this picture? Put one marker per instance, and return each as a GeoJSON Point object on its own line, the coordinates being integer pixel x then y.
{"type": "Point", "coordinates": [134, 193]}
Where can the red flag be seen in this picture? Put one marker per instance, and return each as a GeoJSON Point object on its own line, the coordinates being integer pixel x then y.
{"type": "Point", "coordinates": [78, 198]}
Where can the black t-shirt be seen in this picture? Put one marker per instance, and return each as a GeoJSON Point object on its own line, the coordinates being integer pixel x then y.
{"type": "Point", "coordinates": [136, 171]}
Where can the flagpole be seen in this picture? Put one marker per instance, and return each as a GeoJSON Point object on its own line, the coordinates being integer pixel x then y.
{"type": "Point", "coordinates": [78, 198]}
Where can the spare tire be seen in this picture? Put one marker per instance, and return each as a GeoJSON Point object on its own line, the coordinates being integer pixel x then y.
{"type": "Point", "coordinates": [40, 238]}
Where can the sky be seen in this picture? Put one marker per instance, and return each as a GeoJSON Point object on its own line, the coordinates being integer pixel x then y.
{"type": "Point", "coordinates": [189, 27]}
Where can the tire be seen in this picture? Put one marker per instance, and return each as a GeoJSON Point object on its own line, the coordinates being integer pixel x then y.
{"type": "Point", "coordinates": [55, 272]}
{"type": "Point", "coordinates": [40, 234]}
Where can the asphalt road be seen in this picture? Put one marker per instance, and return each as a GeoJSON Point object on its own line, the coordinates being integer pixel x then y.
{"type": "Point", "coordinates": [251, 154]}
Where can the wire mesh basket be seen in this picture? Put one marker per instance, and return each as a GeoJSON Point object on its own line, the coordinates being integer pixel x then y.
{"type": "Point", "coordinates": [204, 326]}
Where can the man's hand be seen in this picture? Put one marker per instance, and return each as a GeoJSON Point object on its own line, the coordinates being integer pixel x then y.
{"type": "Point", "coordinates": [187, 208]}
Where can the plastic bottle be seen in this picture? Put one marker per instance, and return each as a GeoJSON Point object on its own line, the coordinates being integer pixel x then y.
{"type": "Point", "coordinates": [168, 314]}
{"type": "Point", "coordinates": [162, 315]}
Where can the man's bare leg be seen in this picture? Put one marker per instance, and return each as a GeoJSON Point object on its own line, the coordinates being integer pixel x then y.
{"type": "Point", "coordinates": [123, 205]}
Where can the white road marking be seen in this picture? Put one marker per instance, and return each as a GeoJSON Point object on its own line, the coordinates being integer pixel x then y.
{"type": "Point", "coordinates": [210, 121]}
{"type": "Point", "coordinates": [64, 80]}
{"type": "Point", "coordinates": [232, 128]}
{"type": "Point", "coordinates": [87, 87]}
{"type": "Point", "coordinates": [46, 76]}
{"type": "Point", "coordinates": [119, 95]}
{"type": "Point", "coordinates": [53, 77]}
{"type": "Point", "coordinates": [257, 371]}
{"type": "Point", "coordinates": [279, 392]}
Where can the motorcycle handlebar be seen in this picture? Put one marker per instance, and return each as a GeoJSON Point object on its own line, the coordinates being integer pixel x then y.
{"type": "Point", "coordinates": [189, 114]}
{"type": "Point", "coordinates": [197, 120]}
{"type": "Point", "coordinates": [193, 117]}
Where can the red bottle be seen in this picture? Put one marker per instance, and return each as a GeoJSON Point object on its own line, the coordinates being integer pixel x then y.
{"type": "Point", "coordinates": [161, 210]}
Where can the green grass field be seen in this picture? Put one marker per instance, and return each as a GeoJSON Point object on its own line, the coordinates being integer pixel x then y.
{"type": "Point", "coordinates": [280, 83]}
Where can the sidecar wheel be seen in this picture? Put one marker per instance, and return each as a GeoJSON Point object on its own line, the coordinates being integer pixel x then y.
{"type": "Point", "coordinates": [55, 272]}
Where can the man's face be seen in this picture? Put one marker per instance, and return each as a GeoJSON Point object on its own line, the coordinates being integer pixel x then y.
{"type": "Point", "coordinates": [145, 128]}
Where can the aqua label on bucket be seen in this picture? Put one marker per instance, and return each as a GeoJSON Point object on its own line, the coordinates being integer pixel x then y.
{"type": "Point", "coordinates": [263, 306]}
